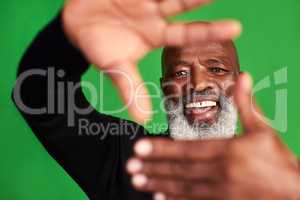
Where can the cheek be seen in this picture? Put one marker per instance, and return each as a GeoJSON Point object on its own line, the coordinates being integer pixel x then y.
{"type": "Point", "coordinates": [173, 89]}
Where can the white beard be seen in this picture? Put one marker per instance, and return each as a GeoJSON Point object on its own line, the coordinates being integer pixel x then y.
{"type": "Point", "coordinates": [224, 127]}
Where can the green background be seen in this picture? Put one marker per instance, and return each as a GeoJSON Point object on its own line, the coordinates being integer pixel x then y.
{"type": "Point", "coordinates": [270, 42]}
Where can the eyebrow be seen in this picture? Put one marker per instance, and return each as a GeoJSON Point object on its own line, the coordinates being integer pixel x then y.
{"type": "Point", "coordinates": [181, 62]}
{"type": "Point", "coordinates": [224, 59]}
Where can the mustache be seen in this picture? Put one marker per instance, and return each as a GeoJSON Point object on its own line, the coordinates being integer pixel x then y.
{"type": "Point", "coordinates": [208, 93]}
{"type": "Point", "coordinates": [224, 127]}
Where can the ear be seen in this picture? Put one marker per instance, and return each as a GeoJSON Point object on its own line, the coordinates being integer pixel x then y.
{"type": "Point", "coordinates": [162, 87]}
{"type": "Point", "coordinates": [161, 81]}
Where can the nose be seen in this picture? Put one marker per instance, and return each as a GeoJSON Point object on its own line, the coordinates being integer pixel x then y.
{"type": "Point", "coordinates": [200, 80]}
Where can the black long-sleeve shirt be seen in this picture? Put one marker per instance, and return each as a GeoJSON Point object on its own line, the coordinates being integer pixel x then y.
{"type": "Point", "coordinates": [97, 165]}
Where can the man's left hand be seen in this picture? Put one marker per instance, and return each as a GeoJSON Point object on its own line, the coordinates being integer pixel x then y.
{"type": "Point", "coordinates": [256, 165]}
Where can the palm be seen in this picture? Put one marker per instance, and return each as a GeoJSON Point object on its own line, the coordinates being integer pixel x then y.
{"type": "Point", "coordinates": [121, 31]}
{"type": "Point", "coordinates": [116, 34]}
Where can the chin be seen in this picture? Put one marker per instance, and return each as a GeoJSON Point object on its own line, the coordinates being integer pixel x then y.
{"type": "Point", "coordinates": [202, 120]}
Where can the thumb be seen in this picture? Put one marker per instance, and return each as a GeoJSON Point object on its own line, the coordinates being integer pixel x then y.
{"type": "Point", "coordinates": [248, 111]}
{"type": "Point", "coordinates": [132, 90]}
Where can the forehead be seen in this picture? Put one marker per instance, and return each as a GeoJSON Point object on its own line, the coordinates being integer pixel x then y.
{"type": "Point", "coordinates": [223, 51]}
{"type": "Point", "coordinates": [200, 50]}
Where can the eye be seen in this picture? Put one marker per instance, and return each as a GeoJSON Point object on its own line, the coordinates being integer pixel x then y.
{"type": "Point", "coordinates": [181, 73]}
{"type": "Point", "coordinates": [218, 70]}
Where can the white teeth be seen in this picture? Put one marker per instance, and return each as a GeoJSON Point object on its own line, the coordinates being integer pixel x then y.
{"type": "Point", "coordinates": [201, 104]}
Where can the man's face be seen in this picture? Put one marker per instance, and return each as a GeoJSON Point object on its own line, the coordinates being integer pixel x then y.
{"type": "Point", "coordinates": [197, 78]}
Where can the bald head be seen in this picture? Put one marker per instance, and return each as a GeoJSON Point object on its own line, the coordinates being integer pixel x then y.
{"type": "Point", "coordinates": [197, 82]}
{"type": "Point", "coordinates": [210, 69]}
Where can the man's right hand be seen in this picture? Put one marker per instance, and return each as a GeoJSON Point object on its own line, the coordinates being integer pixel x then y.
{"type": "Point", "coordinates": [115, 34]}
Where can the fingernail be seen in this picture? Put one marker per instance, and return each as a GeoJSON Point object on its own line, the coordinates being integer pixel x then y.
{"type": "Point", "coordinates": [143, 148]}
{"type": "Point", "coordinates": [134, 165]}
{"type": "Point", "coordinates": [236, 26]}
{"type": "Point", "coordinates": [159, 196]}
{"type": "Point", "coordinates": [248, 80]}
{"type": "Point", "coordinates": [231, 28]}
{"type": "Point", "coordinates": [139, 180]}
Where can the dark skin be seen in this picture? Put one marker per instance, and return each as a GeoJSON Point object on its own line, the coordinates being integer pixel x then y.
{"type": "Point", "coordinates": [115, 34]}
{"type": "Point", "coordinates": [247, 167]}
{"type": "Point", "coordinates": [212, 66]}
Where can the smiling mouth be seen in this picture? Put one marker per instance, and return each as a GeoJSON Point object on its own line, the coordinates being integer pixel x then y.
{"type": "Point", "coordinates": [203, 110]}
{"type": "Point", "coordinates": [201, 104]}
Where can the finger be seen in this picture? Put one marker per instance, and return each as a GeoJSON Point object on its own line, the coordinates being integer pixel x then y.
{"type": "Point", "coordinates": [172, 187]}
{"type": "Point", "coordinates": [158, 148]}
{"type": "Point", "coordinates": [173, 7]}
{"type": "Point", "coordinates": [180, 34]}
{"type": "Point", "coordinates": [209, 171]}
{"type": "Point", "coordinates": [162, 196]}
{"type": "Point", "coordinates": [132, 90]}
{"type": "Point", "coordinates": [248, 111]}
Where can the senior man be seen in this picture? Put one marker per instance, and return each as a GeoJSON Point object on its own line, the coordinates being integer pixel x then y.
{"type": "Point", "coordinates": [203, 87]}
